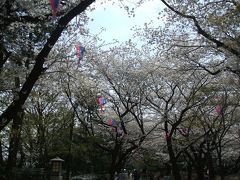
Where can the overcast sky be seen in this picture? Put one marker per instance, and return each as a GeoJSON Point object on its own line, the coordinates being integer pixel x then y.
{"type": "Point", "coordinates": [117, 22]}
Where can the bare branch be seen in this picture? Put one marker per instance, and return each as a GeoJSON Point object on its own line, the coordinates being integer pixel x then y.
{"type": "Point", "coordinates": [203, 32]}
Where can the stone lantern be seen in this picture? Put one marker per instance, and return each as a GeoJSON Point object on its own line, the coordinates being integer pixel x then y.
{"type": "Point", "coordinates": [56, 168]}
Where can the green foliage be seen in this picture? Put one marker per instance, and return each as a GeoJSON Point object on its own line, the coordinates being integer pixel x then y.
{"type": "Point", "coordinates": [85, 156]}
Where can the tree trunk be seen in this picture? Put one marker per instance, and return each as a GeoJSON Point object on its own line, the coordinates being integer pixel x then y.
{"type": "Point", "coordinates": [198, 161]}
{"type": "Point", "coordinates": [4, 55]}
{"type": "Point", "coordinates": [200, 172]}
{"type": "Point", "coordinates": [22, 157]}
{"type": "Point", "coordinates": [199, 166]}
{"type": "Point", "coordinates": [221, 167]}
{"type": "Point", "coordinates": [69, 158]}
{"type": "Point", "coordinates": [113, 168]}
{"type": "Point", "coordinates": [14, 144]}
{"type": "Point", "coordinates": [222, 173]}
{"type": "Point", "coordinates": [211, 169]}
{"type": "Point", "coordinates": [211, 174]}
{"type": "Point", "coordinates": [14, 135]}
{"type": "Point", "coordinates": [41, 142]}
{"type": "Point", "coordinates": [116, 163]}
{"type": "Point", "coordinates": [1, 155]}
{"type": "Point", "coordinates": [175, 169]}
{"type": "Point", "coordinates": [173, 160]}
{"type": "Point", "coordinates": [112, 175]}
{"type": "Point", "coordinates": [189, 171]}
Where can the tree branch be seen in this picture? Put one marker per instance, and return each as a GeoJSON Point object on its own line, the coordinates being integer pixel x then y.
{"type": "Point", "coordinates": [38, 68]}
{"type": "Point", "coordinates": [203, 32]}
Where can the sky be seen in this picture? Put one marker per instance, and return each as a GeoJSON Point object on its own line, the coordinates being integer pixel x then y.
{"type": "Point", "coordinates": [116, 21]}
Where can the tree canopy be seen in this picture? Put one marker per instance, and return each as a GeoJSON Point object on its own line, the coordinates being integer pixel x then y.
{"type": "Point", "coordinates": [170, 93]}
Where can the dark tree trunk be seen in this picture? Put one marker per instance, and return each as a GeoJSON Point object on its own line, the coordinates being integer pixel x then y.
{"type": "Point", "coordinates": [41, 141]}
{"type": "Point", "coordinates": [200, 172]}
{"type": "Point", "coordinates": [14, 144]}
{"type": "Point", "coordinates": [1, 155]}
{"type": "Point", "coordinates": [221, 167]}
{"type": "Point", "coordinates": [222, 173]}
{"type": "Point", "coordinates": [14, 135]}
{"type": "Point", "coordinates": [199, 163]}
{"type": "Point", "coordinates": [211, 168]}
{"type": "Point", "coordinates": [4, 54]}
{"type": "Point", "coordinates": [113, 167]}
{"type": "Point", "coordinates": [173, 160]}
{"type": "Point", "coordinates": [118, 160]}
{"type": "Point", "coordinates": [211, 174]}
{"type": "Point", "coordinates": [22, 157]}
{"type": "Point", "coordinates": [189, 171]}
{"type": "Point", "coordinates": [112, 174]}
{"type": "Point", "coordinates": [172, 156]}
{"type": "Point", "coordinates": [198, 160]}
{"type": "Point", "coordinates": [69, 158]}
